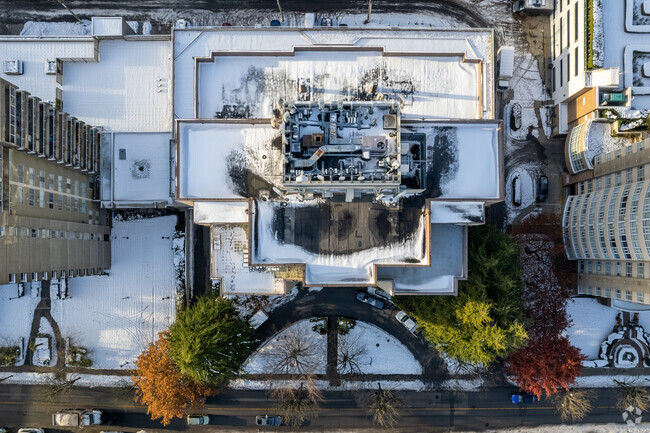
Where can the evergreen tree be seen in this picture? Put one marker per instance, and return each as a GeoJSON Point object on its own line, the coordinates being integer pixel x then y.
{"type": "Point", "coordinates": [209, 341]}
{"type": "Point", "coordinates": [485, 321]}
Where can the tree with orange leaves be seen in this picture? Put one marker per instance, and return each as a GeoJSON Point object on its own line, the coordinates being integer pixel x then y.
{"type": "Point", "coordinates": [160, 385]}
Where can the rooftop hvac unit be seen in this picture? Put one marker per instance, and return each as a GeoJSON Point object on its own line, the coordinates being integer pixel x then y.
{"type": "Point", "coordinates": [50, 67]}
{"type": "Point", "coordinates": [13, 67]}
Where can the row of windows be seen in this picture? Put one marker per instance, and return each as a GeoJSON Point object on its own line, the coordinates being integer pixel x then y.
{"type": "Point", "coordinates": [605, 292]}
{"type": "Point", "coordinates": [26, 232]}
{"type": "Point", "coordinates": [612, 268]}
{"type": "Point", "coordinates": [626, 176]}
{"type": "Point", "coordinates": [50, 200]}
{"type": "Point", "coordinates": [37, 276]}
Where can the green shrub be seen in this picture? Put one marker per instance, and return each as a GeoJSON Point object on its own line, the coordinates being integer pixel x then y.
{"type": "Point", "coordinates": [344, 325]}
{"type": "Point", "coordinates": [78, 357]}
{"type": "Point", "coordinates": [9, 355]}
{"type": "Point", "coordinates": [320, 325]}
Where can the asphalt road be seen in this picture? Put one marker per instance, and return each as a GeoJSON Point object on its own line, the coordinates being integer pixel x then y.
{"type": "Point", "coordinates": [18, 11]}
{"type": "Point", "coordinates": [26, 406]}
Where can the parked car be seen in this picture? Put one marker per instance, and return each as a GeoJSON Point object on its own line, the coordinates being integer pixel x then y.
{"type": "Point", "coordinates": [266, 420]}
{"type": "Point", "coordinates": [77, 417]}
{"type": "Point", "coordinates": [542, 188]}
{"type": "Point", "coordinates": [378, 293]}
{"type": "Point", "coordinates": [363, 297]}
{"type": "Point", "coordinates": [516, 191]}
{"type": "Point", "coordinates": [405, 320]}
{"type": "Point", "coordinates": [198, 419]}
{"type": "Point", "coordinates": [523, 398]}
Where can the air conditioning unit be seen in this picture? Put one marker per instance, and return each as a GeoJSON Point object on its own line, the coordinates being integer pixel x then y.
{"type": "Point", "coordinates": [13, 67]}
{"type": "Point", "coordinates": [50, 67]}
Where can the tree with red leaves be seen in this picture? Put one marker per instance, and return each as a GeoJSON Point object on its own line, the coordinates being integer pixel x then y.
{"type": "Point", "coordinates": [548, 362]}
{"type": "Point", "coordinates": [546, 365]}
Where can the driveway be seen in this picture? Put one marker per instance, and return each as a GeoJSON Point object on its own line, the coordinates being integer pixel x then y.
{"type": "Point", "coordinates": [341, 302]}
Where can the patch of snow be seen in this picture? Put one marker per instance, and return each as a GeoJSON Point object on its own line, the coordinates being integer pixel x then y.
{"type": "Point", "coordinates": [116, 317]}
{"type": "Point", "coordinates": [45, 354]}
{"type": "Point", "coordinates": [264, 359]}
{"type": "Point", "coordinates": [592, 323]}
{"type": "Point", "coordinates": [247, 305]}
{"type": "Point", "coordinates": [315, 288]}
{"type": "Point", "coordinates": [410, 385]}
{"type": "Point", "coordinates": [527, 174]}
{"type": "Point", "coordinates": [98, 380]}
{"type": "Point", "coordinates": [607, 381]}
{"type": "Point", "coordinates": [384, 354]}
{"type": "Point", "coordinates": [146, 28]}
{"type": "Point", "coordinates": [40, 28]}
{"type": "Point", "coordinates": [27, 378]}
{"type": "Point", "coordinates": [547, 122]}
{"type": "Point", "coordinates": [462, 384]}
{"type": "Point", "coordinates": [598, 41]}
{"type": "Point", "coordinates": [16, 316]}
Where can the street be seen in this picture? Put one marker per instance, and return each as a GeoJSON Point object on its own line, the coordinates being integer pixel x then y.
{"type": "Point", "coordinates": [26, 406]}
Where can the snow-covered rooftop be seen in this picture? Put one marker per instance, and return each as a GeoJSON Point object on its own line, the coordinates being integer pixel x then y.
{"type": "Point", "coordinates": [243, 72]}
{"type": "Point", "coordinates": [34, 52]}
{"type": "Point", "coordinates": [135, 169]}
{"type": "Point", "coordinates": [135, 90]}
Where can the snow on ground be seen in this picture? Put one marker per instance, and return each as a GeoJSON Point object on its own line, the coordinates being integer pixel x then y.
{"type": "Point", "coordinates": [264, 359]}
{"type": "Point", "coordinates": [410, 385]}
{"type": "Point", "coordinates": [45, 353]}
{"type": "Point", "coordinates": [384, 354]}
{"type": "Point", "coordinates": [247, 305]}
{"type": "Point", "coordinates": [608, 381]}
{"type": "Point", "coordinates": [27, 378]}
{"type": "Point", "coordinates": [39, 28]}
{"type": "Point", "coordinates": [94, 380]}
{"type": "Point", "coordinates": [577, 428]}
{"type": "Point", "coordinates": [115, 317]}
{"type": "Point", "coordinates": [527, 174]}
{"type": "Point", "coordinates": [592, 323]}
{"type": "Point", "coordinates": [16, 315]}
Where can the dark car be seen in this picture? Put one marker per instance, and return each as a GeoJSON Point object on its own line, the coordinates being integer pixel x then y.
{"type": "Point", "coordinates": [523, 398]}
{"type": "Point", "coordinates": [516, 191]}
{"type": "Point", "coordinates": [363, 297]}
{"type": "Point", "coordinates": [542, 188]}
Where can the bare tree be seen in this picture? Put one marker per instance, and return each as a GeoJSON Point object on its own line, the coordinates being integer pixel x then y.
{"type": "Point", "coordinates": [382, 405]}
{"type": "Point", "coordinates": [293, 353]}
{"type": "Point", "coordinates": [573, 404]}
{"type": "Point", "coordinates": [281, 13]}
{"type": "Point", "coordinates": [351, 354]}
{"type": "Point", "coordinates": [369, 10]}
{"type": "Point", "coordinates": [299, 403]}
{"type": "Point", "coordinates": [60, 386]}
{"type": "Point", "coordinates": [633, 395]}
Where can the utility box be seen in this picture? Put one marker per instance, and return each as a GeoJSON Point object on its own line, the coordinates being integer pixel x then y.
{"type": "Point", "coordinates": [13, 67]}
{"type": "Point", "coordinates": [110, 27]}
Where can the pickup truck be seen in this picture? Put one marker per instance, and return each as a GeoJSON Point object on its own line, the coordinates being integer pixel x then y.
{"type": "Point", "coordinates": [77, 417]}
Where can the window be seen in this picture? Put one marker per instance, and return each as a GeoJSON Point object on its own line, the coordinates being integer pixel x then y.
{"type": "Point", "coordinates": [575, 62]}
{"type": "Point", "coordinates": [45, 233]}
{"type": "Point", "coordinates": [554, 47]}
{"type": "Point", "coordinates": [628, 269]}
{"type": "Point", "coordinates": [51, 200]}
{"type": "Point", "coordinates": [628, 295]}
{"type": "Point", "coordinates": [561, 36]}
{"type": "Point", "coordinates": [41, 198]}
{"type": "Point", "coordinates": [561, 74]}
{"type": "Point", "coordinates": [576, 31]}
{"type": "Point", "coordinates": [568, 29]}
{"type": "Point", "coordinates": [598, 291]}
{"type": "Point", "coordinates": [590, 267]}
{"type": "Point", "coordinates": [617, 178]}
{"type": "Point", "coordinates": [599, 268]}
{"type": "Point", "coordinates": [640, 298]}
{"type": "Point", "coordinates": [581, 291]}
{"type": "Point", "coordinates": [41, 179]}
{"type": "Point", "coordinates": [640, 173]}
{"type": "Point", "coordinates": [51, 179]}
{"type": "Point", "coordinates": [640, 271]}
{"type": "Point", "coordinates": [31, 197]}
{"type": "Point", "coordinates": [553, 78]}
{"type": "Point", "coordinates": [590, 291]}
{"type": "Point", "coordinates": [628, 175]}
{"type": "Point", "coordinates": [31, 176]}
{"type": "Point", "coordinates": [21, 195]}
{"type": "Point", "coordinates": [618, 269]}
{"type": "Point", "coordinates": [35, 233]}
{"type": "Point", "coordinates": [608, 293]}
{"type": "Point", "coordinates": [618, 293]}
{"type": "Point", "coordinates": [581, 266]}
{"type": "Point", "coordinates": [21, 173]}
{"type": "Point", "coordinates": [55, 235]}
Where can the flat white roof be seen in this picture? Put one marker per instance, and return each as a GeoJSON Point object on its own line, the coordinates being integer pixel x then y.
{"type": "Point", "coordinates": [213, 156]}
{"type": "Point", "coordinates": [135, 168]}
{"type": "Point", "coordinates": [455, 212]}
{"type": "Point", "coordinates": [128, 89]}
{"type": "Point", "coordinates": [34, 52]}
{"type": "Point", "coordinates": [425, 67]}
{"type": "Point", "coordinates": [221, 212]}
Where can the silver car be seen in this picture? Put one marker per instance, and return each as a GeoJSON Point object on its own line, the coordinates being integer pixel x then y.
{"type": "Point", "coordinates": [198, 419]}
{"type": "Point", "coordinates": [265, 420]}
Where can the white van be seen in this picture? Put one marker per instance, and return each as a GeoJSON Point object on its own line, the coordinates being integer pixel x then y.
{"type": "Point", "coordinates": [505, 67]}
